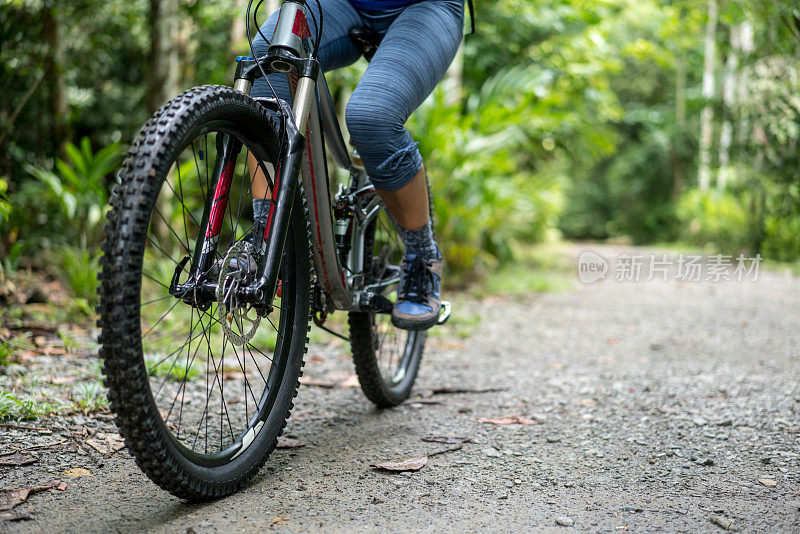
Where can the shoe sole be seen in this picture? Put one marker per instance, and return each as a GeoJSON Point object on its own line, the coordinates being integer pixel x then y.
{"type": "Point", "coordinates": [415, 325]}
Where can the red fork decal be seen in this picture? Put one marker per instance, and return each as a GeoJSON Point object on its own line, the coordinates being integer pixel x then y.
{"type": "Point", "coordinates": [300, 26]}
{"type": "Point", "coordinates": [220, 201]}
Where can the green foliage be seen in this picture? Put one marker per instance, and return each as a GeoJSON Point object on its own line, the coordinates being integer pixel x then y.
{"type": "Point", "coordinates": [78, 186]}
{"type": "Point", "coordinates": [5, 353]}
{"type": "Point", "coordinates": [577, 114]}
{"type": "Point", "coordinates": [10, 261]}
{"type": "Point", "coordinates": [174, 370]}
{"type": "Point", "coordinates": [5, 204]}
{"type": "Point", "coordinates": [90, 397]}
{"type": "Point", "coordinates": [70, 345]}
{"type": "Point", "coordinates": [484, 201]}
{"type": "Point", "coordinates": [80, 269]}
{"type": "Point", "coordinates": [716, 218]}
{"type": "Point", "coordinates": [20, 408]}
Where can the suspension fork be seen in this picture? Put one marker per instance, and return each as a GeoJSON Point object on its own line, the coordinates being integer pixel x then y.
{"type": "Point", "coordinates": [291, 153]}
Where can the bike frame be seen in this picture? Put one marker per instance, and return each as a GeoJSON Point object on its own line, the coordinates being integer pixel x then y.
{"type": "Point", "coordinates": [302, 155]}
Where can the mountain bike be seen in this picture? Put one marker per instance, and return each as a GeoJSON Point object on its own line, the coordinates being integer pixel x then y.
{"type": "Point", "coordinates": [204, 308]}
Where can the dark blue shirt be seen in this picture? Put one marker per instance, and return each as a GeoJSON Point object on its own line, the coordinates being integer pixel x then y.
{"type": "Point", "coordinates": [380, 5]}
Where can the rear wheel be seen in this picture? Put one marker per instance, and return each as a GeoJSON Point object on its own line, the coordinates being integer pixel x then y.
{"type": "Point", "coordinates": [386, 358]}
{"type": "Point", "coordinates": [202, 390]}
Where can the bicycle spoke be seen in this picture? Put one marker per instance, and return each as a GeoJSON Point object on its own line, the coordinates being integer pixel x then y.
{"type": "Point", "coordinates": [248, 346]}
{"type": "Point", "coordinates": [155, 300]}
{"type": "Point", "coordinates": [172, 230]}
{"type": "Point", "coordinates": [246, 385]}
{"type": "Point", "coordinates": [181, 386]}
{"type": "Point", "coordinates": [183, 204]}
{"type": "Point", "coordinates": [222, 396]}
{"type": "Point", "coordinates": [161, 319]}
{"type": "Point", "coordinates": [259, 351]}
{"type": "Point", "coordinates": [162, 250]}
{"type": "Point", "coordinates": [156, 281]}
{"type": "Point", "coordinates": [179, 349]}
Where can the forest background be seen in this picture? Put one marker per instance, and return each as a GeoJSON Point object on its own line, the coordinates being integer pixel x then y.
{"type": "Point", "coordinates": [641, 121]}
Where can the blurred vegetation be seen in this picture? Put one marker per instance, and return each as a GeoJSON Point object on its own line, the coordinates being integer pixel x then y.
{"type": "Point", "coordinates": [576, 118]}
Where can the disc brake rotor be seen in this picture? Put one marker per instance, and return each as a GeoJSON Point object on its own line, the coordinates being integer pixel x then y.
{"type": "Point", "coordinates": [239, 320]}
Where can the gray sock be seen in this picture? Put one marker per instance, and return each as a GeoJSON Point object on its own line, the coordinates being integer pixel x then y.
{"type": "Point", "coordinates": [261, 208]}
{"type": "Point", "coordinates": [419, 241]}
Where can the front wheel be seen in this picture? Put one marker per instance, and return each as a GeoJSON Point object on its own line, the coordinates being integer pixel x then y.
{"type": "Point", "coordinates": [202, 388]}
{"type": "Point", "coordinates": [386, 358]}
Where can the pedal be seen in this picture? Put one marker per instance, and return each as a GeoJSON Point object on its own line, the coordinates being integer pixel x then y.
{"type": "Point", "coordinates": [376, 303]}
{"type": "Point", "coordinates": [444, 314]}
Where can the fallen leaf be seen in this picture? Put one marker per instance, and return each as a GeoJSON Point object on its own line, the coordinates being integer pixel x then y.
{"type": "Point", "coordinates": [11, 497]}
{"type": "Point", "coordinates": [78, 472]}
{"type": "Point", "coordinates": [308, 381]}
{"type": "Point", "coordinates": [338, 376]}
{"type": "Point", "coordinates": [59, 380]}
{"type": "Point", "coordinates": [587, 402]}
{"type": "Point", "coordinates": [59, 485]}
{"type": "Point", "coordinates": [17, 459]}
{"type": "Point", "coordinates": [350, 382]}
{"type": "Point", "coordinates": [510, 420]}
{"type": "Point", "coordinates": [106, 442]}
{"type": "Point", "coordinates": [289, 443]}
{"type": "Point", "coordinates": [722, 522]}
{"type": "Point", "coordinates": [448, 440]}
{"type": "Point", "coordinates": [278, 520]}
{"type": "Point", "coordinates": [409, 464]}
{"type": "Point", "coordinates": [768, 482]}
{"type": "Point", "coordinates": [6, 516]}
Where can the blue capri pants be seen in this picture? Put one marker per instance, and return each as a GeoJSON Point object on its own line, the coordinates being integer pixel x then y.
{"type": "Point", "coordinates": [419, 43]}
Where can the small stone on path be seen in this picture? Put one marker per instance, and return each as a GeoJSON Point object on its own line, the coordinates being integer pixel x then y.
{"type": "Point", "coordinates": [723, 522]}
{"type": "Point", "coordinates": [564, 521]}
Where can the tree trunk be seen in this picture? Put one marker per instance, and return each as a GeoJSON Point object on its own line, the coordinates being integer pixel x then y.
{"type": "Point", "coordinates": [680, 119]}
{"type": "Point", "coordinates": [743, 130]}
{"type": "Point", "coordinates": [164, 73]}
{"type": "Point", "coordinates": [454, 78]}
{"type": "Point", "coordinates": [707, 117]}
{"type": "Point", "coordinates": [729, 103]}
{"type": "Point", "coordinates": [57, 105]}
{"type": "Point", "coordinates": [187, 49]}
{"type": "Point", "coordinates": [238, 40]}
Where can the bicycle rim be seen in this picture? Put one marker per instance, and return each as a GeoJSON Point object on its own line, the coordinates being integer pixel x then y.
{"type": "Point", "coordinates": [212, 393]}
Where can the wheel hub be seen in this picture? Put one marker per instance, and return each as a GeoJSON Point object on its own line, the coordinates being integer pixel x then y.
{"type": "Point", "coordinates": [239, 319]}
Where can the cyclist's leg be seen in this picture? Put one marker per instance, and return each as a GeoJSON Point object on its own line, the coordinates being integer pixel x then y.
{"type": "Point", "coordinates": [413, 57]}
{"type": "Point", "coordinates": [336, 50]}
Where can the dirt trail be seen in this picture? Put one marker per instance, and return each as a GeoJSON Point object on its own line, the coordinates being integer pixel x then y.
{"type": "Point", "coordinates": [660, 405]}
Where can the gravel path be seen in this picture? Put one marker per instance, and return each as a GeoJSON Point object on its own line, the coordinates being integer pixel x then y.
{"type": "Point", "coordinates": [660, 406]}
